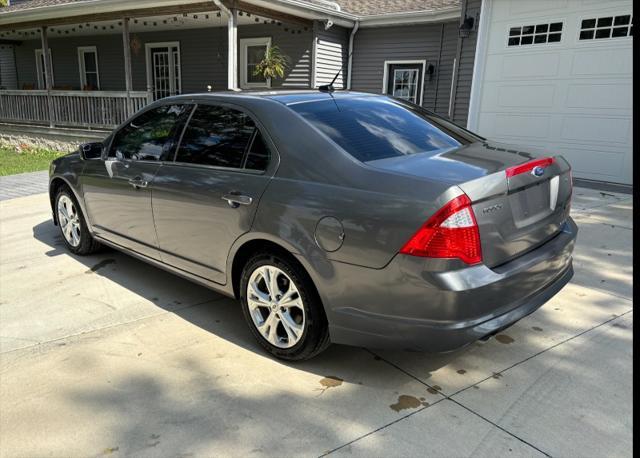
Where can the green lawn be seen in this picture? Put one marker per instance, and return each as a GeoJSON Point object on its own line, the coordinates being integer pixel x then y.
{"type": "Point", "coordinates": [28, 160]}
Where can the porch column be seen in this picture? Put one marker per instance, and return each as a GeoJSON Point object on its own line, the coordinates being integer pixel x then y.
{"type": "Point", "coordinates": [126, 43]}
{"type": "Point", "coordinates": [48, 71]}
{"type": "Point", "coordinates": [232, 65]}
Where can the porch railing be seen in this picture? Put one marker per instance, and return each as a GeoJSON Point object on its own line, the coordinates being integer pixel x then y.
{"type": "Point", "coordinates": [86, 109]}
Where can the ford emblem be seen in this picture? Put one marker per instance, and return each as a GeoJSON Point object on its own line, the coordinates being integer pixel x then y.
{"type": "Point", "coordinates": [537, 171]}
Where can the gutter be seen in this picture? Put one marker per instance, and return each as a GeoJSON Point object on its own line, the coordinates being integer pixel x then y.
{"type": "Point", "coordinates": [350, 58]}
{"type": "Point", "coordinates": [410, 17]}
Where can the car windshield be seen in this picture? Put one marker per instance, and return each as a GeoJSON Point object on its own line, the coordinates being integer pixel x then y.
{"type": "Point", "coordinates": [371, 128]}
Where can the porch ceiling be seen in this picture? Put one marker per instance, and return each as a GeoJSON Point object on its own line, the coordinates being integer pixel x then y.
{"type": "Point", "coordinates": [160, 23]}
{"type": "Point", "coordinates": [22, 20]}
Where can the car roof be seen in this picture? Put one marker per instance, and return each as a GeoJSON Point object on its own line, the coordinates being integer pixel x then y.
{"type": "Point", "coordinates": [286, 97]}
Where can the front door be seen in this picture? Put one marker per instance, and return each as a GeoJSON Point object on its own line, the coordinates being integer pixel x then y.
{"type": "Point", "coordinates": [117, 189]}
{"type": "Point", "coordinates": [404, 81]}
{"type": "Point", "coordinates": [207, 199]}
{"type": "Point", "coordinates": [163, 65]}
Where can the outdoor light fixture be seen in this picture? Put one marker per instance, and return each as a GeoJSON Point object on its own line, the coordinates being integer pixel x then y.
{"type": "Point", "coordinates": [467, 26]}
{"type": "Point", "coordinates": [430, 71]}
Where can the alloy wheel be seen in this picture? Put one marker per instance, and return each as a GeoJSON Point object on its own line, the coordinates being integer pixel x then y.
{"type": "Point", "coordinates": [275, 306]}
{"type": "Point", "coordinates": [69, 220]}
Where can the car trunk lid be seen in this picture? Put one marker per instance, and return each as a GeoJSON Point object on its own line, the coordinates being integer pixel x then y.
{"type": "Point", "coordinates": [516, 209]}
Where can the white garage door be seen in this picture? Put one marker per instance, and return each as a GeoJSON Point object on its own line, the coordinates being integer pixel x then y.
{"type": "Point", "coordinates": [557, 74]}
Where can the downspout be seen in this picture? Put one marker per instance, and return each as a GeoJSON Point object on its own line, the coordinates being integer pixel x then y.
{"type": "Point", "coordinates": [456, 67]}
{"type": "Point", "coordinates": [350, 58]}
{"type": "Point", "coordinates": [232, 45]}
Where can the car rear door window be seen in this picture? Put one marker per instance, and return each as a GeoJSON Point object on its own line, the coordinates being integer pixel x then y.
{"type": "Point", "coordinates": [371, 128]}
{"type": "Point", "coordinates": [258, 154]}
{"type": "Point", "coordinates": [216, 136]}
{"type": "Point", "coordinates": [151, 136]}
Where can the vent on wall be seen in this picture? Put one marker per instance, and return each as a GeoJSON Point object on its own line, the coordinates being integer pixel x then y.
{"type": "Point", "coordinates": [606, 27]}
{"type": "Point", "coordinates": [535, 34]}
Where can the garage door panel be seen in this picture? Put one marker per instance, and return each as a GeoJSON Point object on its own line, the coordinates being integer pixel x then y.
{"type": "Point", "coordinates": [526, 8]}
{"type": "Point", "coordinates": [520, 95]}
{"type": "Point", "coordinates": [524, 126]}
{"type": "Point", "coordinates": [519, 66]}
{"type": "Point", "coordinates": [594, 164]}
{"type": "Point", "coordinates": [601, 62]}
{"type": "Point", "coordinates": [596, 130]}
{"type": "Point", "coordinates": [606, 96]}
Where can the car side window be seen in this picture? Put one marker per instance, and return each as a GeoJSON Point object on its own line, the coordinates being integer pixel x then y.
{"type": "Point", "coordinates": [152, 135]}
{"type": "Point", "coordinates": [258, 154]}
{"type": "Point", "coordinates": [217, 136]}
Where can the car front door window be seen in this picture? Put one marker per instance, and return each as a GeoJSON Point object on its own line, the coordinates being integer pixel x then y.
{"type": "Point", "coordinates": [151, 136]}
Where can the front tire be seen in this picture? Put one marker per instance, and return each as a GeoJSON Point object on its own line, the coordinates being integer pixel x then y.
{"type": "Point", "coordinates": [282, 308]}
{"type": "Point", "coordinates": [72, 224]}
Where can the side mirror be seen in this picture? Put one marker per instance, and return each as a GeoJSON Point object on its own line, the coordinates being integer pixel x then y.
{"type": "Point", "coordinates": [89, 151]}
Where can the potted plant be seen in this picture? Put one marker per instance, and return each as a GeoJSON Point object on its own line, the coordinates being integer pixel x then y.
{"type": "Point", "coordinates": [272, 65]}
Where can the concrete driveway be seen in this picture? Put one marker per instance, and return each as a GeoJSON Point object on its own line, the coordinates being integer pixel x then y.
{"type": "Point", "coordinates": [105, 355]}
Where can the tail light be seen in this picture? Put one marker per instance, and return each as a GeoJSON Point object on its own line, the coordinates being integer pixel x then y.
{"type": "Point", "coordinates": [528, 166]}
{"type": "Point", "coordinates": [452, 232]}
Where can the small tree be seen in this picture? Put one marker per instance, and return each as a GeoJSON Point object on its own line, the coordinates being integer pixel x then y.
{"type": "Point", "coordinates": [3, 3]}
{"type": "Point", "coordinates": [273, 64]}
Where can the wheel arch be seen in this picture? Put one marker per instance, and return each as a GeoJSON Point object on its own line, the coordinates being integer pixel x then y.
{"type": "Point", "coordinates": [55, 184]}
{"type": "Point", "coordinates": [255, 243]}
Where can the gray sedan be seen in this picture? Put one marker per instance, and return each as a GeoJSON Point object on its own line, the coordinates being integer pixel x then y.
{"type": "Point", "coordinates": [331, 216]}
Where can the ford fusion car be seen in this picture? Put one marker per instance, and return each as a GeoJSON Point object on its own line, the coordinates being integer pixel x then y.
{"type": "Point", "coordinates": [338, 217]}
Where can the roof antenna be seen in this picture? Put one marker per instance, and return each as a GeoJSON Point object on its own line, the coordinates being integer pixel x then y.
{"type": "Point", "coordinates": [329, 87]}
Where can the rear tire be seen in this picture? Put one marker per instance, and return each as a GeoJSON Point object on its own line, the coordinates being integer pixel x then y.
{"type": "Point", "coordinates": [72, 224]}
{"type": "Point", "coordinates": [282, 308]}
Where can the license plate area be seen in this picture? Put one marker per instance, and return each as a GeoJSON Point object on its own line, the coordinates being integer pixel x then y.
{"type": "Point", "coordinates": [533, 203]}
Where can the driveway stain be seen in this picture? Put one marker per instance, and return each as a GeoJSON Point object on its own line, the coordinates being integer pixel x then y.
{"type": "Point", "coordinates": [436, 388]}
{"type": "Point", "coordinates": [504, 339]}
{"type": "Point", "coordinates": [100, 265]}
{"type": "Point", "coordinates": [536, 328]}
{"type": "Point", "coordinates": [461, 371]}
{"type": "Point", "coordinates": [330, 381]}
{"type": "Point", "coordinates": [407, 402]}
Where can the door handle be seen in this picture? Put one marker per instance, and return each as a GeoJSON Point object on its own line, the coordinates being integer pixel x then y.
{"type": "Point", "coordinates": [138, 183]}
{"type": "Point", "coordinates": [235, 199]}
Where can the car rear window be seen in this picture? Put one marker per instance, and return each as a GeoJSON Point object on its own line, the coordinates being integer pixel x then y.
{"type": "Point", "coordinates": [372, 128]}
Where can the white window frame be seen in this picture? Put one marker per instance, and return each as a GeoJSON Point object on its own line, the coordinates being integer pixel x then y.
{"type": "Point", "coordinates": [40, 71]}
{"type": "Point", "coordinates": [149, 64]}
{"type": "Point", "coordinates": [244, 44]}
{"type": "Point", "coordinates": [385, 77]}
{"type": "Point", "coordinates": [83, 74]}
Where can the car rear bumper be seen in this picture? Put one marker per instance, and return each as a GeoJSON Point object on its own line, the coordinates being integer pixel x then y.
{"type": "Point", "coordinates": [413, 304]}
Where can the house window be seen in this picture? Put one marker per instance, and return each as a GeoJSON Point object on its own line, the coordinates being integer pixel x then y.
{"type": "Point", "coordinates": [607, 27]}
{"type": "Point", "coordinates": [535, 34]}
{"type": "Point", "coordinates": [40, 68]}
{"type": "Point", "coordinates": [252, 51]}
{"type": "Point", "coordinates": [88, 64]}
{"type": "Point", "coordinates": [403, 79]}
